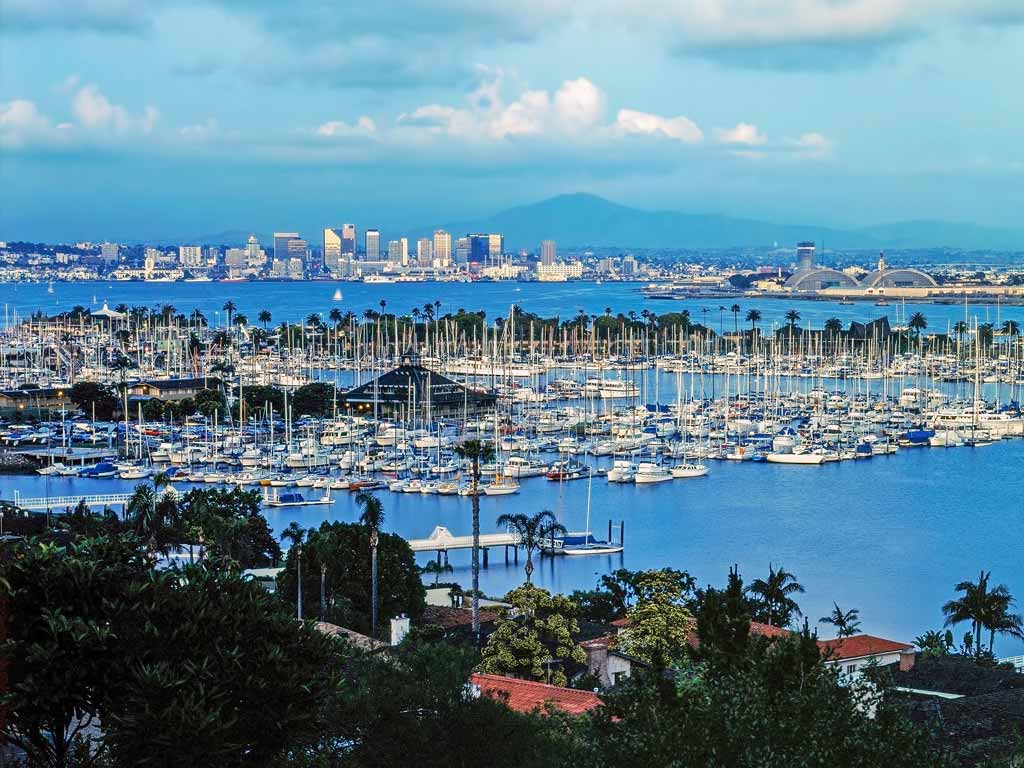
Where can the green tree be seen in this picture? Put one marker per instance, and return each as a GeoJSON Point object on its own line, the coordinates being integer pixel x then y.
{"type": "Point", "coordinates": [1011, 328]}
{"type": "Point", "coordinates": [723, 623]}
{"type": "Point", "coordinates": [935, 643]}
{"type": "Point", "coordinates": [229, 307]}
{"type": "Point", "coordinates": [779, 706]}
{"type": "Point", "coordinates": [834, 326]}
{"type": "Point", "coordinates": [753, 317]}
{"type": "Point", "coordinates": [971, 606]}
{"type": "Point", "coordinates": [264, 317]}
{"type": "Point", "coordinates": [917, 323]}
{"type": "Point", "coordinates": [536, 640]}
{"type": "Point", "coordinates": [531, 531]}
{"type": "Point", "coordinates": [63, 652]}
{"type": "Point", "coordinates": [372, 517]}
{"type": "Point", "coordinates": [342, 548]}
{"type": "Point", "coordinates": [791, 317]}
{"type": "Point", "coordinates": [217, 673]}
{"type": "Point", "coordinates": [88, 395]}
{"type": "Point", "coordinates": [437, 569]}
{"type": "Point", "coordinates": [314, 400]}
{"type": "Point", "coordinates": [847, 623]}
{"type": "Point", "coordinates": [210, 401]}
{"type": "Point", "coordinates": [774, 603]}
{"type": "Point", "coordinates": [659, 624]}
{"type": "Point", "coordinates": [477, 452]}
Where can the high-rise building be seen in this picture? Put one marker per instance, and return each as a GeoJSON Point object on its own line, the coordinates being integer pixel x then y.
{"type": "Point", "coordinates": [805, 255]}
{"type": "Point", "coordinates": [462, 250]}
{"type": "Point", "coordinates": [394, 252]}
{"type": "Point", "coordinates": [442, 248]}
{"type": "Point", "coordinates": [547, 252]}
{"type": "Point", "coordinates": [298, 249]}
{"type": "Point", "coordinates": [495, 247]}
{"type": "Point", "coordinates": [332, 250]}
{"type": "Point", "coordinates": [348, 240]}
{"type": "Point", "coordinates": [404, 243]}
{"type": "Point", "coordinates": [372, 245]}
{"type": "Point", "coordinates": [110, 252]}
{"type": "Point", "coordinates": [479, 248]}
{"type": "Point", "coordinates": [281, 240]}
{"type": "Point", "coordinates": [629, 265]}
{"type": "Point", "coordinates": [424, 252]}
{"type": "Point", "coordinates": [190, 256]}
{"type": "Point", "coordinates": [254, 255]}
{"type": "Point", "coordinates": [235, 258]}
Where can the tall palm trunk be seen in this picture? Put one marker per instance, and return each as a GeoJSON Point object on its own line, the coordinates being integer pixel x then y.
{"type": "Point", "coordinates": [476, 548]}
{"type": "Point", "coordinates": [373, 582]}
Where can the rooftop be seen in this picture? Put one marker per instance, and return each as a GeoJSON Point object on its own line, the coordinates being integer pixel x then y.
{"type": "Point", "coordinates": [527, 696]}
{"type": "Point", "coordinates": [861, 646]}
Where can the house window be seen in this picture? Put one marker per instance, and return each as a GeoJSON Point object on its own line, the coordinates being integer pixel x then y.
{"type": "Point", "coordinates": [618, 677]}
{"type": "Point", "coordinates": [851, 669]}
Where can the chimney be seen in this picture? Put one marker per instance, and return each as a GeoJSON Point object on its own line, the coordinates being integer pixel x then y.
{"type": "Point", "coordinates": [907, 660]}
{"type": "Point", "coordinates": [399, 628]}
{"type": "Point", "coordinates": [597, 662]}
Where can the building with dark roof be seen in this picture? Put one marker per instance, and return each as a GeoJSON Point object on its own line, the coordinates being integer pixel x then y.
{"type": "Point", "coordinates": [410, 390]}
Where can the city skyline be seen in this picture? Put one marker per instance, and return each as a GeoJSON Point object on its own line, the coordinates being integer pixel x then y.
{"type": "Point", "coordinates": [814, 111]}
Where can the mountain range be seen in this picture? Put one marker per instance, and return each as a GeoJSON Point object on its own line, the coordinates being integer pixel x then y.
{"type": "Point", "coordinates": [581, 220]}
{"type": "Point", "coordinates": [577, 220]}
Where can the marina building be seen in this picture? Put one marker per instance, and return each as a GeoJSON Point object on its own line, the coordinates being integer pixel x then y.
{"type": "Point", "coordinates": [412, 391]}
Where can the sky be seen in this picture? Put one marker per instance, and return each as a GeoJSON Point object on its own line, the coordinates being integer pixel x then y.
{"type": "Point", "coordinates": [171, 119]}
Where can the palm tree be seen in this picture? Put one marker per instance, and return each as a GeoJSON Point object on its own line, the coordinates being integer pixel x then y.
{"type": "Point", "coordinates": [960, 330]}
{"type": "Point", "coordinates": [335, 316]}
{"type": "Point", "coordinates": [437, 569]}
{"type": "Point", "coordinates": [531, 532]}
{"type": "Point", "coordinates": [753, 317]}
{"type": "Point", "coordinates": [1011, 328]}
{"type": "Point", "coordinates": [241, 320]}
{"type": "Point", "coordinates": [998, 618]}
{"type": "Point", "coordinates": [372, 517]}
{"type": "Point", "coordinates": [847, 623]}
{"type": "Point", "coordinates": [154, 518]}
{"type": "Point", "coordinates": [735, 309]}
{"type": "Point", "coordinates": [296, 534]}
{"type": "Point", "coordinates": [917, 323]}
{"type": "Point", "coordinates": [264, 317]}
{"type": "Point", "coordinates": [229, 307]}
{"type": "Point", "coordinates": [775, 595]}
{"type": "Point", "coordinates": [834, 325]}
{"type": "Point", "coordinates": [478, 452]}
{"type": "Point", "coordinates": [971, 607]}
{"type": "Point", "coordinates": [791, 317]}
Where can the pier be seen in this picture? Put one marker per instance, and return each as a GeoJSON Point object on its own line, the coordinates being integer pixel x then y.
{"type": "Point", "coordinates": [441, 540]}
{"type": "Point", "coordinates": [63, 502]}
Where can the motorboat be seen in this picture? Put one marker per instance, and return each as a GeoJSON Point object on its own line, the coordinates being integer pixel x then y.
{"type": "Point", "coordinates": [501, 487]}
{"type": "Point", "coordinates": [649, 472]}
{"type": "Point", "coordinates": [687, 470]}
{"type": "Point", "coordinates": [622, 471]}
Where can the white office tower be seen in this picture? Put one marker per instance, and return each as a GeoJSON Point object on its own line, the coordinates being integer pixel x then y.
{"type": "Point", "coordinates": [442, 248]}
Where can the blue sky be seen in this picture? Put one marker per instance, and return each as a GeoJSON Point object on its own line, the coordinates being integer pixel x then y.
{"type": "Point", "coordinates": [129, 119]}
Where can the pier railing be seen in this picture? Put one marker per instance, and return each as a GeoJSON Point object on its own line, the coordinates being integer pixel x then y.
{"type": "Point", "coordinates": [60, 502]}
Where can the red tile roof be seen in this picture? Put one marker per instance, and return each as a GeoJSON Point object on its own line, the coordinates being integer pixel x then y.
{"type": "Point", "coordinates": [767, 630]}
{"type": "Point", "coordinates": [526, 695]}
{"type": "Point", "coordinates": [450, 618]}
{"type": "Point", "coordinates": [859, 646]}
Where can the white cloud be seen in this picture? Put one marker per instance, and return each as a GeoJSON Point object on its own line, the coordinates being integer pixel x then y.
{"type": "Point", "coordinates": [776, 22]}
{"type": "Point", "coordinates": [743, 133]}
{"type": "Point", "coordinates": [630, 121]}
{"type": "Point", "coordinates": [579, 104]}
{"type": "Point", "coordinates": [94, 111]}
{"type": "Point", "coordinates": [364, 126]}
{"type": "Point", "coordinates": [200, 131]}
{"type": "Point", "coordinates": [22, 125]}
{"type": "Point", "coordinates": [810, 145]}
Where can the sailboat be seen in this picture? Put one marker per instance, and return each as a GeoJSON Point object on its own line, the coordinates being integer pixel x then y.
{"type": "Point", "coordinates": [337, 295]}
{"type": "Point", "coordinates": [587, 544]}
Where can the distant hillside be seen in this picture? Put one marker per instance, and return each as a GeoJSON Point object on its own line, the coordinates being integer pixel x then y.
{"type": "Point", "coordinates": [587, 220]}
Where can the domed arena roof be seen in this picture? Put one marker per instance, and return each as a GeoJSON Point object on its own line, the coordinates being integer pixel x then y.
{"type": "Point", "coordinates": [819, 278]}
{"type": "Point", "coordinates": [898, 278]}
